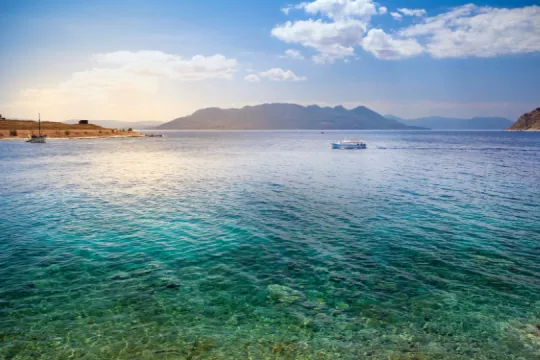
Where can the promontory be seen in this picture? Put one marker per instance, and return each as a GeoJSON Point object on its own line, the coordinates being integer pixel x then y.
{"type": "Point", "coordinates": [527, 122]}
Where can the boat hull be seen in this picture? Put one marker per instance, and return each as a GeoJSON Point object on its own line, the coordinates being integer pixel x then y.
{"type": "Point", "coordinates": [37, 140]}
{"type": "Point", "coordinates": [349, 146]}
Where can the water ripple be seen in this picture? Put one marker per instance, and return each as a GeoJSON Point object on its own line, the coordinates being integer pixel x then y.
{"type": "Point", "coordinates": [248, 245]}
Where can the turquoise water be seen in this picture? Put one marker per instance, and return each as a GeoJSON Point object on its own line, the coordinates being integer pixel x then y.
{"type": "Point", "coordinates": [270, 245]}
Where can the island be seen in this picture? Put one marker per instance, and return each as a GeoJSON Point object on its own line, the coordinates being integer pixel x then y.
{"type": "Point", "coordinates": [21, 129]}
{"type": "Point", "coordinates": [527, 122]}
{"type": "Point", "coordinates": [279, 116]}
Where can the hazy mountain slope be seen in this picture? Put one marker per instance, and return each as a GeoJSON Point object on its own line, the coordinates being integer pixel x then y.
{"type": "Point", "coordinates": [444, 123]}
{"type": "Point", "coordinates": [283, 116]}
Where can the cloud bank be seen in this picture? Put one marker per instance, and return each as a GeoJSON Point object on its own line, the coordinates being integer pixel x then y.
{"type": "Point", "coordinates": [336, 29]}
{"type": "Point", "coordinates": [125, 83]}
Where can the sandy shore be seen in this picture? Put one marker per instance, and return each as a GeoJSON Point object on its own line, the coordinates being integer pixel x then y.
{"type": "Point", "coordinates": [17, 138]}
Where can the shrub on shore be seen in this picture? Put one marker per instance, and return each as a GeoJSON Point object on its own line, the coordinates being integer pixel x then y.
{"type": "Point", "coordinates": [13, 133]}
{"type": "Point", "coordinates": [67, 132]}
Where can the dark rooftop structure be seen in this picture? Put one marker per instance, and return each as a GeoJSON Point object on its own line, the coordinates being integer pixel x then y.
{"type": "Point", "coordinates": [83, 122]}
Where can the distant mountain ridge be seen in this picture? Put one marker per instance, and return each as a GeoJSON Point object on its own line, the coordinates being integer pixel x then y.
{"type": "Point", "coordinates": [285, 117]}
{"type": "Point", "coordinates": [527, 122]}
{"type": "Point", "coordinates": [444, 123]}
{"type": "Point", "coordinates": [117, 124]}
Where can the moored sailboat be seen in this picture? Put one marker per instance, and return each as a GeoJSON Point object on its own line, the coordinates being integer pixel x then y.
{"type": "Point", "coordinates": [38, 139]}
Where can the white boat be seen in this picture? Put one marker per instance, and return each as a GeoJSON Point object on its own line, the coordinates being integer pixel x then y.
{"type": "Point", "coordinates": [37, 139]}
{"type": "Point", "coordinates": [349, 144]}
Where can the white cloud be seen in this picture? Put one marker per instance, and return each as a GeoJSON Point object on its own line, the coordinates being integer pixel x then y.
{"type": "Point", "coordinates": [127, 84]}
{"type": "Point", "coordinates": [383, 10]}
{"type": "Point", "coordinates": [293, 54]}
{"type": "Point", "coordinates": [286, 10]}
{"type": "Point", "coordinates": [252, 78]}
{"type": "Point", "coordinates": [334, 40]}
{"type": "Point", "coordinates": [334, 37]}
{"type": "Point", "coordinates": [341, 9]}
{"type": "Point", "coordinates": [470, 30]}
{"type": "Point", "coordinates": [467, 30]}
{"type": "Point", "coordinates": [157, 63]}
{"type": "Point", "coordinates": [413, 12]}
{"type": "Point", "coordinates": [384, 46]}
{"type": "Point", "coordinates": [277, 74]}
{"type": "Point", "coordinates": [396, 16]}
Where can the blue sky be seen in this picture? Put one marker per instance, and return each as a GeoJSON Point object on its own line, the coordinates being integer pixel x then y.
{"type": "Point", "coordinates": [146, 60]}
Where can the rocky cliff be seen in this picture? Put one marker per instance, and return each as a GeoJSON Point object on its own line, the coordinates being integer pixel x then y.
{"type": "Point", "coordinates": [527, 122]}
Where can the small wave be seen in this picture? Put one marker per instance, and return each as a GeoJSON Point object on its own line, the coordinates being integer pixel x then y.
{"type": "Point", "coordinates": [456, 148]}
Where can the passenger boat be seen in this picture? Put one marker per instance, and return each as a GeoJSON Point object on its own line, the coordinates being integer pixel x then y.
{"type": "Point", "coordinates": [349, 144]}
{"type": "Point", "coordinates": [37, 139]}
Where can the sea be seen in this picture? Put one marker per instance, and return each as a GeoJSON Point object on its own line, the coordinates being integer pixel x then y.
{"type": "Point", "coordinates": [271, 245]}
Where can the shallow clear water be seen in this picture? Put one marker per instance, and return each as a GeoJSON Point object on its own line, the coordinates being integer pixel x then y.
{"type": "Point", "coordinates": [270, 245]}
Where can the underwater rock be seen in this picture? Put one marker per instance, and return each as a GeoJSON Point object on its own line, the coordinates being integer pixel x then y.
{"type": "Point", "coordinates": [323, 318]}
{"type": "Point", "coordinates": [53, 269]}
{"type": "Point", "coordinates": [168, 282]}
{"type": "Point", "coordinates": [42, 284]}
{"type": "Point", "coordinates": [342, 306]}
{"type": "Point", "coordinates": [233, 321]}
{"type": "Point", "coordinates": [220, 269]}
{"type": "Point", "coordinates": [120, 276]}
{"type": "Point", "coordinates": [140, 273]}
{"type": "Point", "coordinates": [283, 294]}
{"type": "Point", "coordinates": [172, 285]}
{"type": "Point", "coordinates": [310, 304]}
{"type": "Point", "coordinates": [147, 354]}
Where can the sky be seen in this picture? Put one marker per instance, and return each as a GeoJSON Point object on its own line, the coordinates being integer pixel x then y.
{"type": "Point", "coordinates": [162, 59]}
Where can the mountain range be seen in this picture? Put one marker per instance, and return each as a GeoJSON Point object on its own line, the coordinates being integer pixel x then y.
{"type": "Point", "coordinates": [444, 123]}
{"type": "Point", "coordinates": [283, 117]}
{"type": "Point", "coordinates": [291, 117]}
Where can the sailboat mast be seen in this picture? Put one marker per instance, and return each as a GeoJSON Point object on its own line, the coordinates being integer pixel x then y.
{"type": "Point", "coordinates": [39, 124]}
